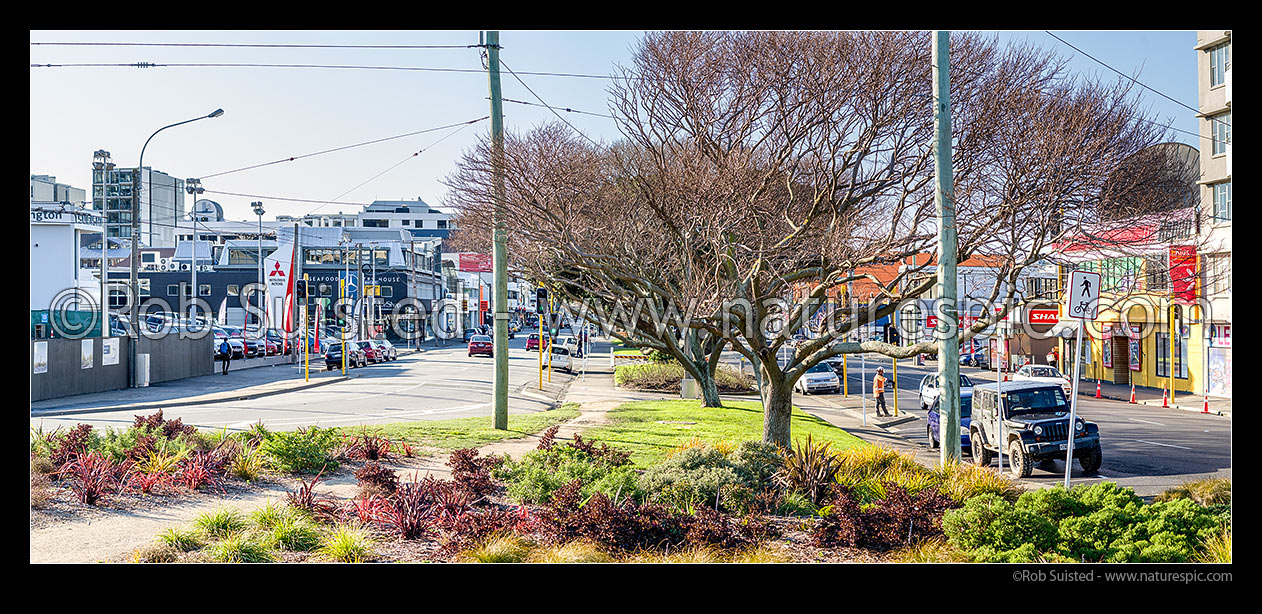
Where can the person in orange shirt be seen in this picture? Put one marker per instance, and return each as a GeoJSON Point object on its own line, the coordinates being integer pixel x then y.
{"type": "Point", "coordinates": [878, 386]}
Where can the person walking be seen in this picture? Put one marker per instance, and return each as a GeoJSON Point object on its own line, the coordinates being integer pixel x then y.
{"type": "Point", "coordinates": [878, 386]}
{"type": "Point", "coordinates": [225, 349]}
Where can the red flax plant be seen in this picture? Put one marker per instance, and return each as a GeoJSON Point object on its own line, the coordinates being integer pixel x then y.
{"type": "Point", "coordinates": [92, 475]}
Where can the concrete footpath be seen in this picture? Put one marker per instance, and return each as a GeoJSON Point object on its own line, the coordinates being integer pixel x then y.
{"type": "Point", "coordinates": [269, 376]}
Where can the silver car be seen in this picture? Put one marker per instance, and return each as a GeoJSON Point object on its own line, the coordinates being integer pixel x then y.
{"type": "Point", "coordinates": [929, 389]}
{"type": "Point", "coordinates": [819, 378]}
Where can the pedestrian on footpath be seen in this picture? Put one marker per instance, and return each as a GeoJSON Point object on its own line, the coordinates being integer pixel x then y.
{"type": "Point", "coordinates": [878, 386]}
{"type": "Point", "coordinates": [226, 350]}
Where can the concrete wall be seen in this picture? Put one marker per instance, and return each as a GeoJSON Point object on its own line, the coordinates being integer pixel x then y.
{"type": "Point", "coordinates": [170, 358]}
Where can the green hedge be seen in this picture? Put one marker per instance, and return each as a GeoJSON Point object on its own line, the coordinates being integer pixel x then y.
{"type": "Point", "coordinates": [665, 376]}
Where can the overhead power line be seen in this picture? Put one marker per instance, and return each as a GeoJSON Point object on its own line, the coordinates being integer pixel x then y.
{"type": "Point", "coordinates": [389, 138]}
{"type": "Point", "coordinates": [1133, 80]}
{"type": "Point", "coordinates": [567, 109]}
{"type": "Point", "coordinates": [329, 66]}
{"type": "Point", "coordinates": [253, 45]}
{"type": "Point", "coordinates": [554, 112]}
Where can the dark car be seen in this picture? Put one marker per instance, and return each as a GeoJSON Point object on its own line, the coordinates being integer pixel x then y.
{"type": "Point", "coordinates": [975, 359]}
{"type": "Point", "coordinates": [277, 338]}
{"type": "Point", "coordinates": [371, 353]}
{"type": "Point", "coordinates": [470, 332]}
{"type": "Point", "coordinates": [253, 347]}
{"type": "Point", "coordinates": [934, 420]}
{"type": "Point", "coordinates": [387, 349]}
{"type": "Point", "coordinates": [1035, 427]}
{"type": "Point", "coordinates": [354, 357]}
{"type": "Point", "coordinates": [481, 345]}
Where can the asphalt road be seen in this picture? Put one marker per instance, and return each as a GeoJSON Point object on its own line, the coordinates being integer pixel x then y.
{"type": "Point", "coordinates": [437, 384]}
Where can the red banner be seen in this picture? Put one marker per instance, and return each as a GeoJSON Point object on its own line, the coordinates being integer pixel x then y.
{"type": "Point", "coordinates": [1183, 273]}
{"type": "Point", "coordinates": [1044, 316]}
{"type": "Point", "coordinates": [475, 263]}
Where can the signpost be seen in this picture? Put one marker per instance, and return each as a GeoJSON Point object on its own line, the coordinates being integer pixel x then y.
{"type": "Point", "coordinates": [1082, 302]}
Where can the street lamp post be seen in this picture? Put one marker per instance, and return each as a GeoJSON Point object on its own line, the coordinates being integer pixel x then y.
{"type": "Point", "coordinates": [101, 162]}
{"type": "Point", "coordinates": [258, 210]}
{"type": "Point", "coordinates": [194, 187]}
{"type": "Point", "coordinates": [134, 311]}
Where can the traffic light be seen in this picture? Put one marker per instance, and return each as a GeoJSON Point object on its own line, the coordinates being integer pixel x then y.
{"type": "Point", "coordinates": [302, 291]}
{"type": "Point", "coordinates": [464, 304]}
{"type": "Point", "coordinates": [541, 300]}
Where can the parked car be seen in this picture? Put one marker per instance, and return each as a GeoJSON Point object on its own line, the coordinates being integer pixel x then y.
{"type": "Point", "coordinates": [571, 343]}
{"type": "Point", "coordinates": [354, 356]}
{"type": "Point", "coordinates": [980, 358]}
{"type": "Point", "coordinates": [252, 346]}
{"type": "Point", "coordinates": [929, 389]}
{"type": "Point", "coordinates": [819, 378]}
{"type": "Point", "coordinates": [966, 412]}
{"type": "Point", "coordinates": [1045, 374]}
{"type": "Point", "coordinates": [481, 345]}
{"type": "Point", "coordinates": [532, 341]}
{"type": "Point", "coordinates": [561, 359]}
{"type": "Point", "coordinates": [371, 353]}
{"type": "Point", "coordinates": [387, 349]}
{"type": "Point", "coordinates": [238, 345]}
{"type": "Point", "coordinates": [278, 338]}
{"type": "Point", "coordinates": [1035, 427]}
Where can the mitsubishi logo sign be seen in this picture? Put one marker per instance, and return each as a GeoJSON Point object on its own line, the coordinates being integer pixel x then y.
{"type": "Point", "coordinates": [276, 271]}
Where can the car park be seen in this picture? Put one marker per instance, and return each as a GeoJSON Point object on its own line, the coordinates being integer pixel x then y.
{"type": "Point", "coordinates": [929, 389]}
{"type": "Point", "coordinates": [481, 345]}
{"type": "Point", "coordinates": [354, 356]}
{"type": "Point", "coordinates": [819, 378]}
{"type": "Point", "coordinates": [236, 343]}
{"type": "Point", "coordinates": [1045, 374]}
{"type": "Point", "coordinates": [1035, 419]}
{"type": "Point", "coordinates": [561, 359]}
{"type": "Point", "coordinates": [934, 421]}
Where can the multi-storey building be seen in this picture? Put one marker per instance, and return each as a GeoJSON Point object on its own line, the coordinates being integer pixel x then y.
{"type": "Point", "coordinates": [161, 203]}
{"type": "Point", "coordinates": [322, 220]}
{"type": "Point", "coordinates": [1213, 71]}
{"type": "Point", "coordinates": [44, 188]}
{"type": "Point", "coordinates": [412, 215]}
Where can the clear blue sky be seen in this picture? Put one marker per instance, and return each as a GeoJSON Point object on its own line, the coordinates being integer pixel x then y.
{"type": "Point", "coordinates": [275, 113]}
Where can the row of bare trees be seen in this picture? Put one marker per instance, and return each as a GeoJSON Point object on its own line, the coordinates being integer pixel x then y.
{"type": "Point", "coordinates": [751, 163]}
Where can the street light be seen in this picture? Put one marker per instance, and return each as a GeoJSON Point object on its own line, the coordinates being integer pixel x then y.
{"type": "Point", "coordinates": [101, 162]}
{"type": "Point", "coordinates": [134, 311]}
{"type": "Point", "coordinates": [194, 187]}
{"type": "Point", "coordinates": [258, 210]}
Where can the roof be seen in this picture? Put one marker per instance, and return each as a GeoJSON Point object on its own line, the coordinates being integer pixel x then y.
{"type": "Point", "coordinates": [988, 261]}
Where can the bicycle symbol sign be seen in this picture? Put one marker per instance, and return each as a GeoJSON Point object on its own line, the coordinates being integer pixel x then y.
{"type": "Point", "coordinates": [1082, 297]}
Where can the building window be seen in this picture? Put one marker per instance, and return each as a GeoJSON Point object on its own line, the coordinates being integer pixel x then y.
{"type": "Point", "coordinates": [148, 258]}
{"type": "Point", "coordinates": [386, 291]}
{"type": "Point", "coordinates": [1216, 269]}
{"type": "Point", "coordinates": [1222, 201]}
{"type": "Point", "coordinates": [1219, 59]}
{"type": "Point", "coordinates": [1036, 288]}
{"type": "Point", "coordinates": [234, 289]}
{"type": "Point", "coordinates": [173, 290]}
{"type": "Point", "coordinates": [442, 224]}
{"type": "Point", "coordinates": [406, 222]}
{"type": "Point", "coordinates": [1163, 356]}
{"type": "Point", "coordinates": [1221, 129]}
{"type": "Point", "coordinates": [376, 224]}
{"type": "Point", "coordinates": [203, 289]}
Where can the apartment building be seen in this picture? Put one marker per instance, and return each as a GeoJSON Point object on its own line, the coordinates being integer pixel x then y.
{"type": "Point", "coordinates": [1213, 71]}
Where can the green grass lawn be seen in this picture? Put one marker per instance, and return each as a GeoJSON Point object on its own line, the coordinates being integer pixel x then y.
{"type": "Point", "coordinates": [469, 432]}
{"type": "Point", "coordinates": [637, 427]}
{"type": "Point", "coordinates": [627, 353]}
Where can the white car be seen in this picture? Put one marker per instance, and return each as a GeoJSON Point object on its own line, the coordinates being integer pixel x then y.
{"type": "Point", "coordinates": [561, 359]}
{"type": "Point", "coordinates": [929, 389]}
{"type": "Point", "coordinates": [1044, 374]}
{"type": "Point", "coordinates": [819, 378]}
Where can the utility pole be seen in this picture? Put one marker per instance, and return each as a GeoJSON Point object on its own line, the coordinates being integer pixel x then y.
{"type": "Point", "coordinates": [944, 196]}
{"type": "Point", "coordinates": [500, 292]}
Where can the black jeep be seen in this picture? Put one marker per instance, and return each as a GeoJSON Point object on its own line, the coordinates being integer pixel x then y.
{"type": "Point", "coordinates": [1035, 427]}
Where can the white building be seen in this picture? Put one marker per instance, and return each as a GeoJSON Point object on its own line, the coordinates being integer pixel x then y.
{"type": "Point", "coordinates": [45, 189]}
{"type": "Point", "coordinates": [57, 233]}
{"type": "Point", "coordinates": [1213, 71]}
{"type": "Point", "coordinates": [414, 216]}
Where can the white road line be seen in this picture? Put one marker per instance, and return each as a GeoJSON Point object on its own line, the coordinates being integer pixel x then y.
{"type": "Point", "coordinates": [377, 394]}
{"type": "Point", "coordinates": [1146, 421]}
{"type": "Point", "coordinates": [1168, 445]}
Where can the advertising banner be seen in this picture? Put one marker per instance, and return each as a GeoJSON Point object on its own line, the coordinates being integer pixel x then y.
{"type": "Point", "coordinates": [475, 263]}
{"type": "Point", "coordinates": [85, 347]}
{"type": "Point", "coordinates": [109, 351]}
{"type": "Point", "coordinates": [39, 359]}
{"type": "Point", "coordinates": [1183, 273]}
{"type": "Point", "coordinates": [278, 271]}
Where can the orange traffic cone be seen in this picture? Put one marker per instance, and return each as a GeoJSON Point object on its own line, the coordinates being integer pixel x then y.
{"type": "Point", "coordinates": [1165, 398]}
{"type": "Point", "coordinates": [1205, 409]}
{"type": "Point", "coordinates": [1097, 389]}
{"type": "Point", "coordinates": [1132, 393]}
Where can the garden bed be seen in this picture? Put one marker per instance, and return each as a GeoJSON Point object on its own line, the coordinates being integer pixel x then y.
{"type": "Point", "coordinates": [666, 377]}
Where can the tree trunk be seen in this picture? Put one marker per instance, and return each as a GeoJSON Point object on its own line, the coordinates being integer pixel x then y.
{"type": "Point", "coordinates": [709, 387]}
{"type": "Point", "coordinates": [777, 400]}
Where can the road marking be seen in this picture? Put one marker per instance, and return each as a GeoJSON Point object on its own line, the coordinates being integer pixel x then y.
{"type": "Point", "coordinates": [1146, 421]}
{"type": "Point", "coordinates": [1167, 445]}
{"type": "Point", "coordinates": [377, 394]}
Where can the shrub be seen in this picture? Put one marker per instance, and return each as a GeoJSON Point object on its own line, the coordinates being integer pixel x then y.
{"type": "Point", "coordinates": [472, 474]}
{"type": "Point", "coordinates": [238, 548]}
{"type": "Point", "coordinates": [547, 439]}
{"type": "Point", "coordinates": [576, 551]}
{"type": "Point", "coordinates": [476, 525]}
{"type": "Point", "coordinates": [1217, 547]}
{"type": "Point", "coordinates": [1054, 504]}
{"type": "Point", "coordinates": [40, 463]}
{"type": "Point", "coordinates": [68, 447]}
{"type": "Point", "coordinates": [1214, 491]}
{"type": "Point", "coordinates": [410, 512]}
{"type": "Point", "coordinates": [268, 516]}
{"type": "Point", "coordinates": [157, 460]}
{"type": "Point", "coordinates": [220, 523]}
{"type": "Point", "coordinates": [93, 475]}
{"type": "Point", "coordinates": [375, 479]}
{"type": "Point", "coordinates": [248, 463]}
{"type": "Point", "coordinates": [667, 373]}
{"type": "Point", "coordinates": [170, 429]}
{"type": "Point", "coordinates": [990, 522]}
{"type": "Point", "coordinates": [757, 463]}
{"type": "Point", "coordinates": [305, 500]}
{"type": "Point", "coordinates": [366, 446]}
{"type": "Point", "coordinates": [898, 519]}
{"type": "Point", "coordinates": [541, 472]}
{"type": "Point", "coordinates": [155, 553]}
{"type": "Point", "coordinates": [346, 544]}
{"type": "Point", "coordinates": [41, 490]}
{"type": "Point", "coordinates": [810, 468]}
{"type": "Point", "coordinates": [795, 504]}
{"type": "Point", "coordinates": [148, 483]}
{"type": "Point", "coordinates": [963, 481]}
{"type": "Point", "coordinates": [200, 469]}
{"type": "Point", "coordinates": [933, 550]}
{"type": "Point", "coordinates": [302, 451]}
{"type": "Point", "coordinates": [692, 476]}
{"type": "Point", "coordinates": [184, 540]}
